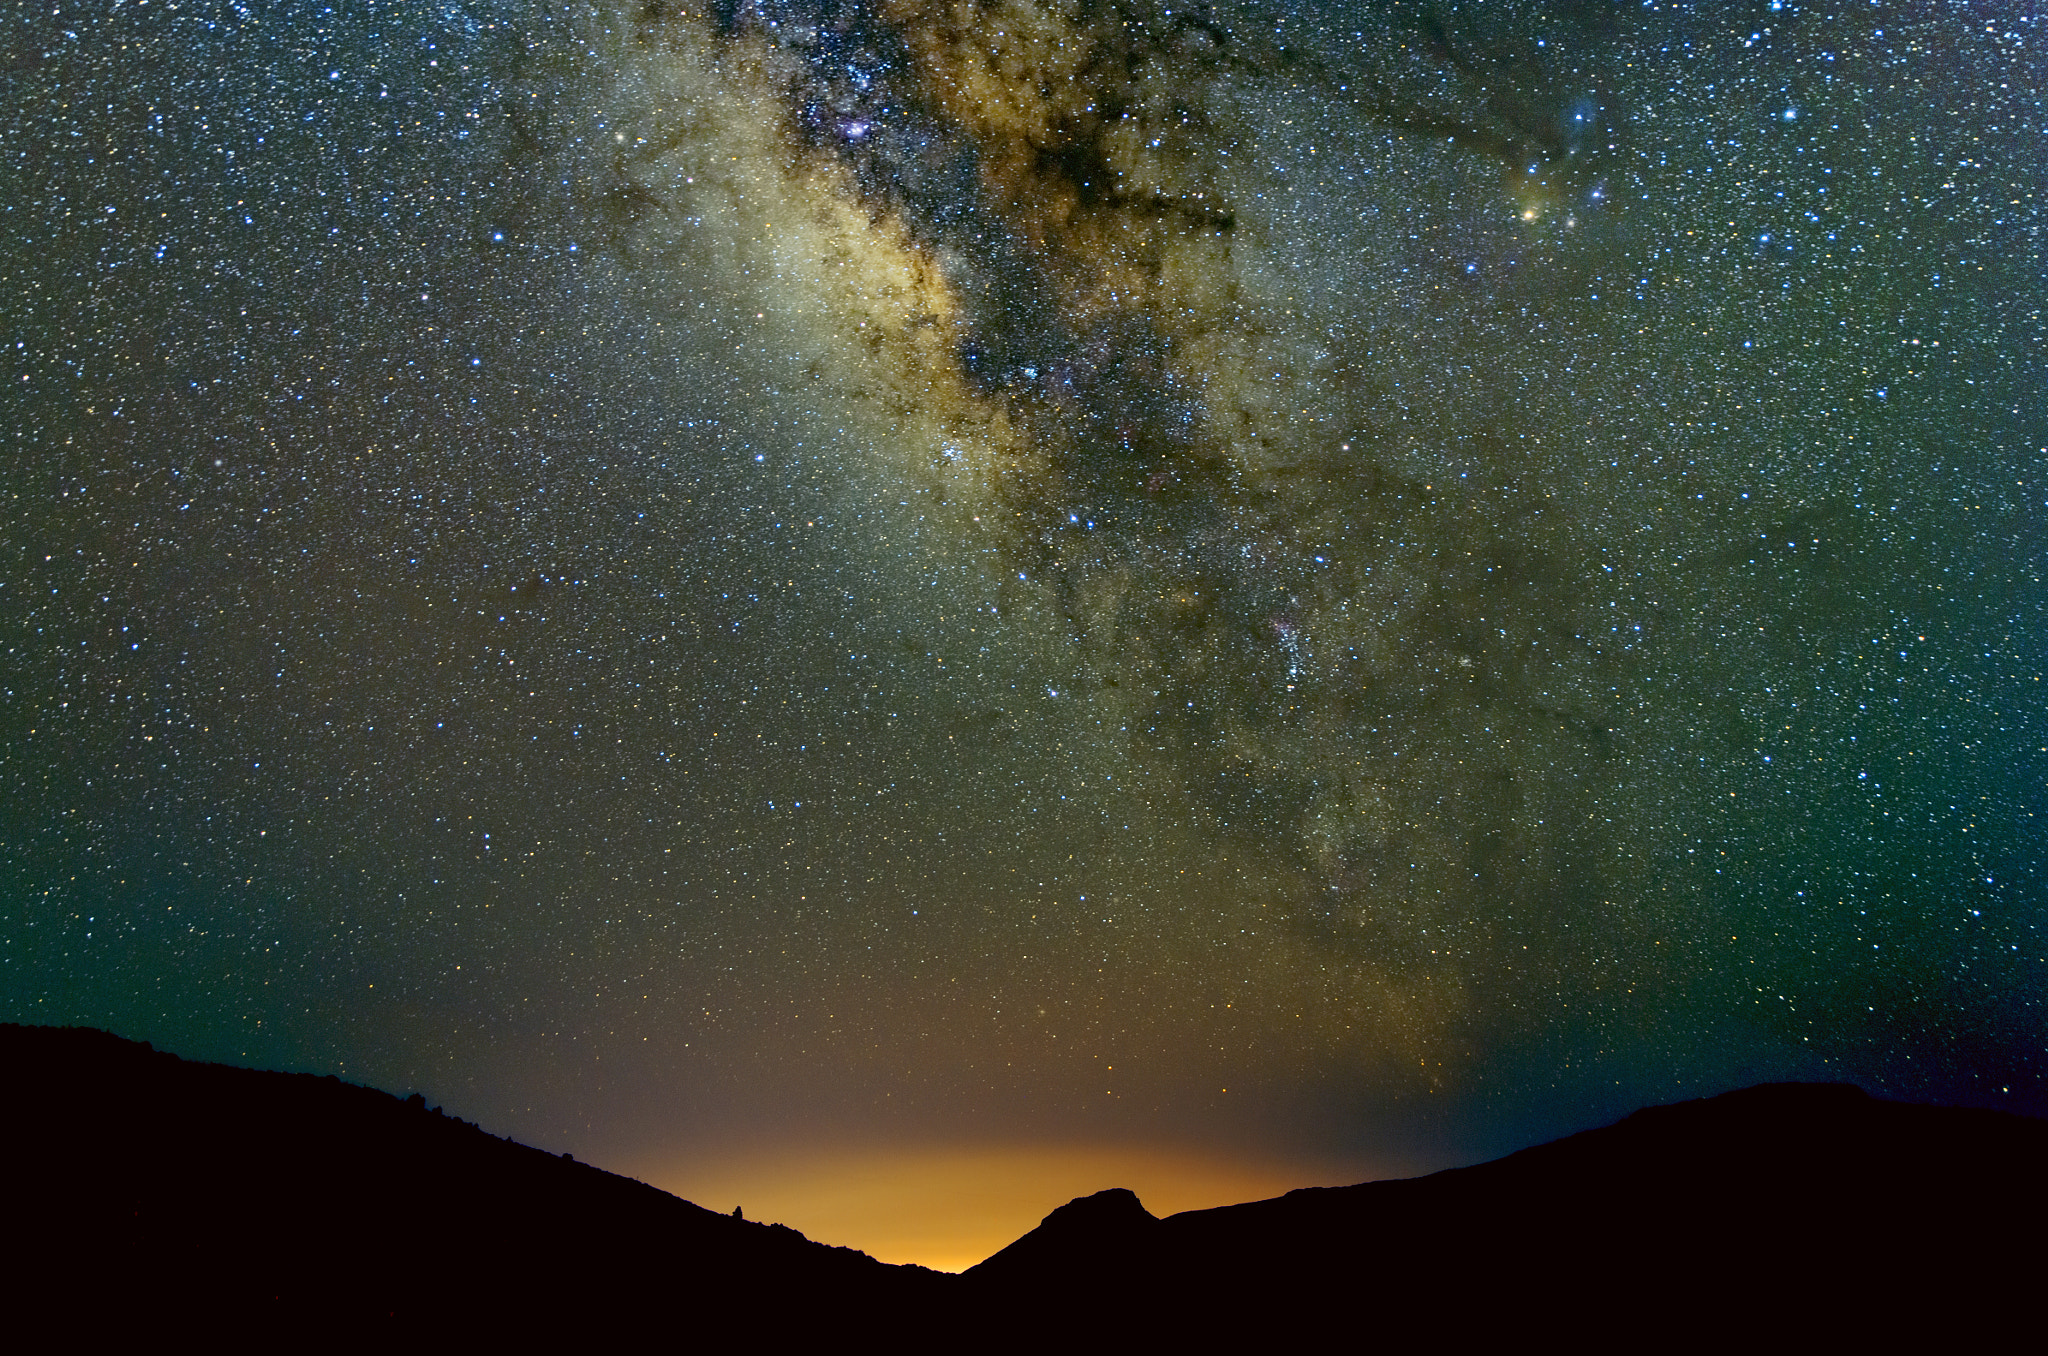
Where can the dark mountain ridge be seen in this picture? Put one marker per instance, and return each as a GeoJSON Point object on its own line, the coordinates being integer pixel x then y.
{"type": "Point", "coordinates": [162, 1195]}
{"type": "Point", "coordinates": [162, 1191]}
{"type": "Point", "coordinates": [1777, 1210]}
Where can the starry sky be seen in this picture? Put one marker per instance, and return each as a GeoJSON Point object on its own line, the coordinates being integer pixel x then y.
{"type": "Point", "coordinates": [1222, 596]}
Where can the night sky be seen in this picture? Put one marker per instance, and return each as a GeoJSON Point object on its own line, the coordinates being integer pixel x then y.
{"type": "Point", "coordinates": [1258, 593]}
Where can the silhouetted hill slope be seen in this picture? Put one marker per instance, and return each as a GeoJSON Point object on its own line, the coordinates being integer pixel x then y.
{"type": "Point", "coordinates": [1088, 1237]}
{"type": "Point", "coordinates": [161, 1193]}
{"type": "Point", "coordinates": [1759, 1214]}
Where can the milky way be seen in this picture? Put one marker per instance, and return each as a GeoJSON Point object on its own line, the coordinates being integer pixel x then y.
{"type": "Point", "coordinates": [1343, 580]}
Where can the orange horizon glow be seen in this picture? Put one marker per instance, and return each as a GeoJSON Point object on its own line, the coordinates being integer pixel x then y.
{"type": "Point", "coordinates": [948, 1207]}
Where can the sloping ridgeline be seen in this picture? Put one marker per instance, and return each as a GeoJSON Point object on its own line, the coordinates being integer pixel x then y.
{"type": "Point", "coordinates": [1782, 1214]}
{"type": "Point", "coordinates": [155, 1194]}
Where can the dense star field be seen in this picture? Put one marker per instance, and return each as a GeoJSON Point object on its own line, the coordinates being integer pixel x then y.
{"type": "Point", "coordinates": [1338, 585]}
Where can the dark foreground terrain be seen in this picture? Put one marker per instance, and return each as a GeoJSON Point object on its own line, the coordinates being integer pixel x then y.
{"type": "Point", "coordinates": [157, 1192]}
{"type": "Point", "coordinates": [149, 1195]}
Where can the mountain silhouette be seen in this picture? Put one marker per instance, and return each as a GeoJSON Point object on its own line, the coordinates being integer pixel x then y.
{"type": "Point", "coordinates": [150, 1195]}
{"type": "Point", "coordinates": [1084, 1249]}
{"type": "Point", "coordinates": [1779, 1213]}
{"type": "Point", "coordinates": [164, 1195]}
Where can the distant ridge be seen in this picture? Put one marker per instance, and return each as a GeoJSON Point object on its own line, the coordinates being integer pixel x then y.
{"type": "Point", "coordinates": [1783, 1210]}
{"type": "Point", "coordinates": [1088, 1238]}
{"type": "Point", "coordinates": [151, 1196]}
